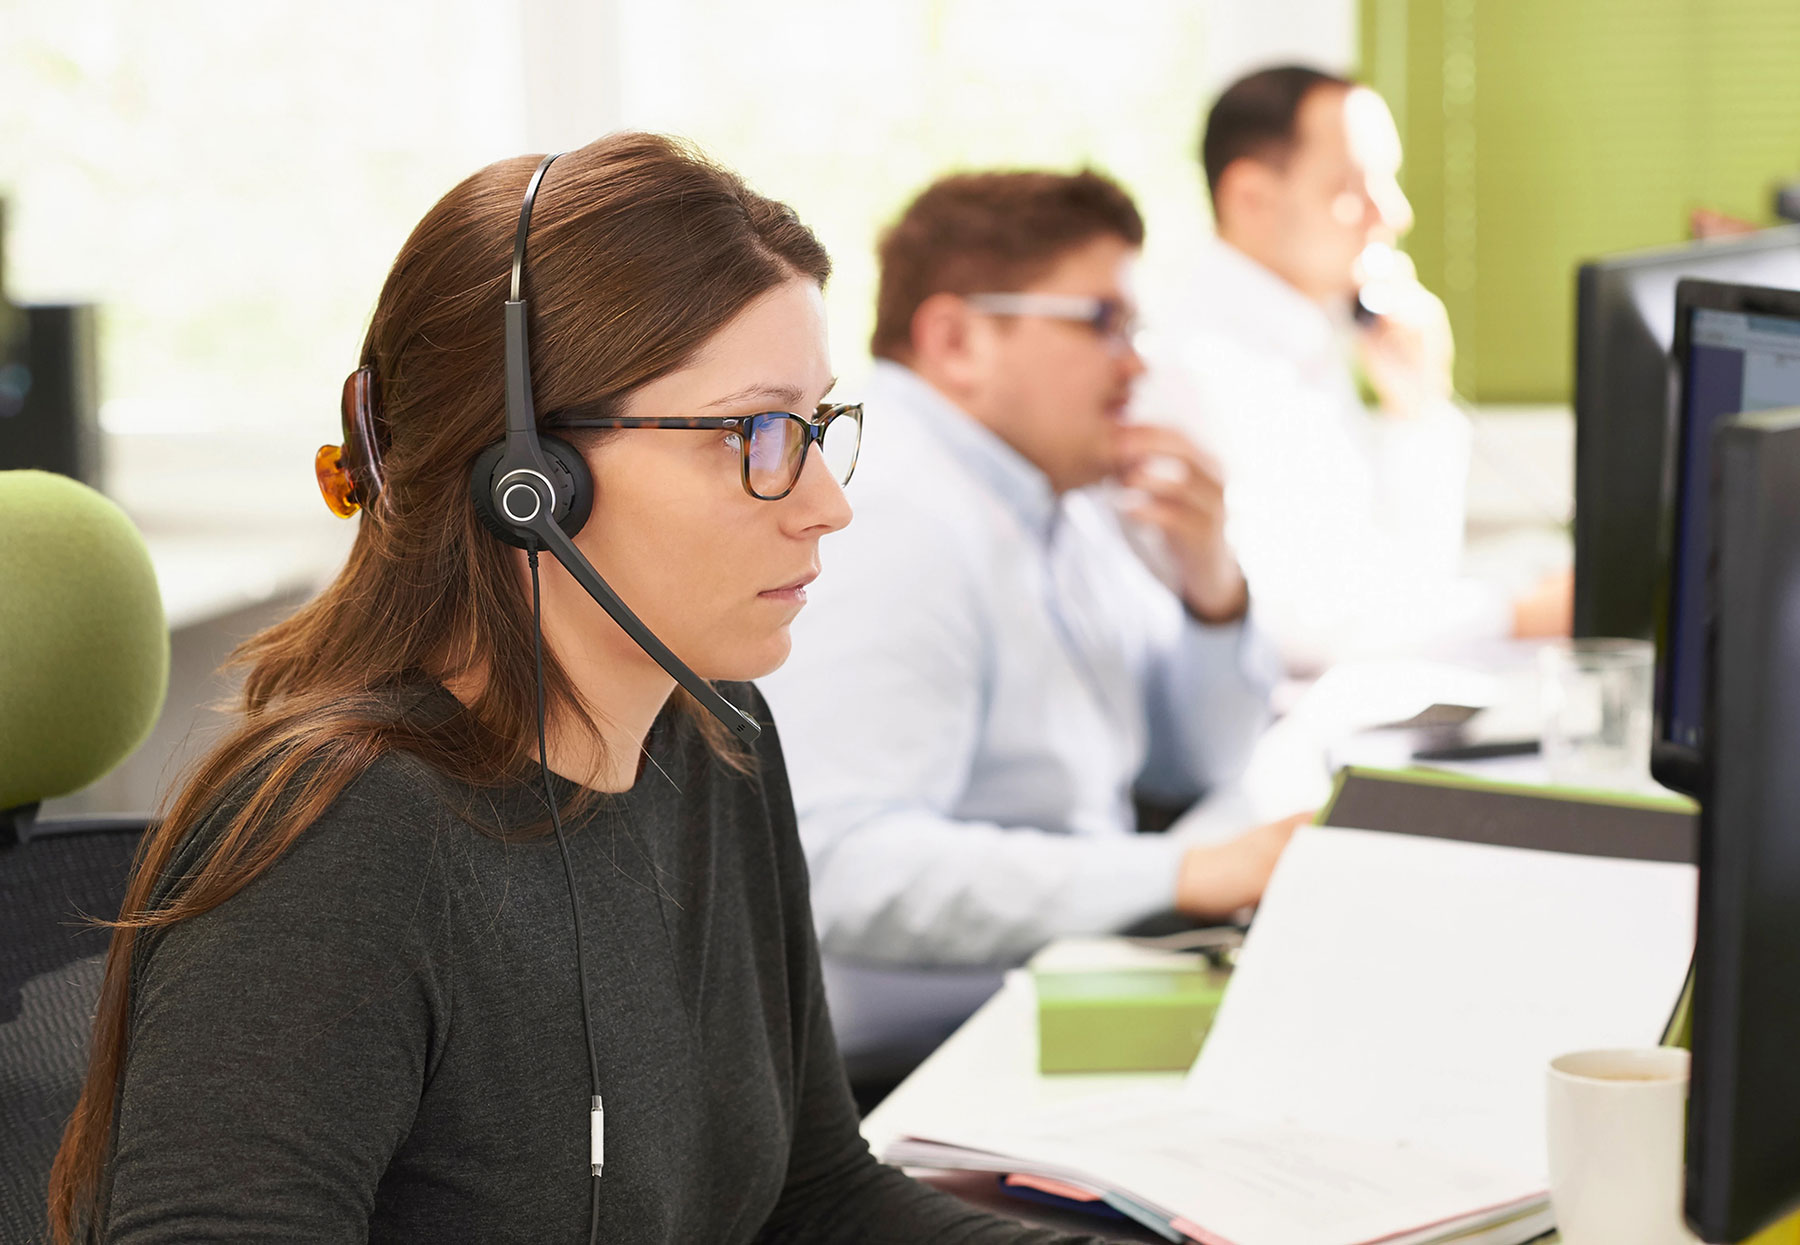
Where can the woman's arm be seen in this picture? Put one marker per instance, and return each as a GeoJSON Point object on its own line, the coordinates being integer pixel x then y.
{"type": "Point", "coordinates": [279, 1044]}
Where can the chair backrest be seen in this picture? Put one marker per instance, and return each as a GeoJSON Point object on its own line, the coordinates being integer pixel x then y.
{"type": "Point", "coordinates": [84, 666]}
{"type": "Point", "coordinates": [50, 967]}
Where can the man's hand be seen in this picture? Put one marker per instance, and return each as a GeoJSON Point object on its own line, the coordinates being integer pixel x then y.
{"type": "Point", "coordinates": [1548, 610]}
{"type": "Point", "coordinates": [1408, 350]}
{"type": "Point", "coordinates": [1184, 499]}
{"type": "Point", "coordinates": [1218, 879]}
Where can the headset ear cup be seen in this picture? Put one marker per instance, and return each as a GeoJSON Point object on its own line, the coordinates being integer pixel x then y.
{"type": "Point", "coordinates": [574, 483]}
{"type": "Point", "coordinates": [481, 496]}
{"type": "Point", "coordinates": [569, 476]}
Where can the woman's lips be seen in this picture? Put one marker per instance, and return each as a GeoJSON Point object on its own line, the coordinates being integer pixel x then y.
{"type": "Point", "coordinates": [794, 592]}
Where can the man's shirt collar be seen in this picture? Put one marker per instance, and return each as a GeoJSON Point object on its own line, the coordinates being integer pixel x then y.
{"type": "Point", "coordinates": [1012, 477]}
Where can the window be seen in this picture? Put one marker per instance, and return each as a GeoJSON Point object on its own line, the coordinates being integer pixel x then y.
{"type": "Point", "coordinates": [845, 111]}
{"type": "Point", "coordinates": [230, 182]}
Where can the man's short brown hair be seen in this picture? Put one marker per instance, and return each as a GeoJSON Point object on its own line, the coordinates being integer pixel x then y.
{"type": "Point", "coordinates": [975, 233]}
{"type": "Point", "coordinates": [1257, 118]}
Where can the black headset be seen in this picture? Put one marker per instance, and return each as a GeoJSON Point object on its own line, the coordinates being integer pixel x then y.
{"type": "Point", "coordinates": [535, 492]}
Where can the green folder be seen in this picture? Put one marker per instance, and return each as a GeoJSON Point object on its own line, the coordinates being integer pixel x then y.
{"type": "Point", "coordinates": [1582, 821]}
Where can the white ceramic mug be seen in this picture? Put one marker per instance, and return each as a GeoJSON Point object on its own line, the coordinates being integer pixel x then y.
{"type": "Point", "coordinates": [1616, 1121]}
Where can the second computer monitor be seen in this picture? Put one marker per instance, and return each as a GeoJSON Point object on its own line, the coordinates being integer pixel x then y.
{"type": "Point", "coordinates": [1737, 350]}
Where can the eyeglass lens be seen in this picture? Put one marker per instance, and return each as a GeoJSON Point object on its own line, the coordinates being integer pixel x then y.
{"type": "Point", "coordinates": [778, 445]}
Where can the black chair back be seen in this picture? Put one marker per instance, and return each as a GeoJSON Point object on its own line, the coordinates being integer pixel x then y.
{"type": "Point", "coordinates": [51, 959]}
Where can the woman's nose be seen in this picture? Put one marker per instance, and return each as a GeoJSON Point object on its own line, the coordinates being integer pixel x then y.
{"type": "Point", "coordinates": [818, 499]}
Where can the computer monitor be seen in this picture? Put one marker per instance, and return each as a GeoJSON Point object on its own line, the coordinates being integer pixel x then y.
{"type": "Point", "coordinates": [1737, 349]}
{"type": "Point", "coordinates": [49, 384]}
{"type": "Point", "coordinates": [13, 375]}
{"type": "Point", "coordinates": [1624, 326]}
{"type": "Point", "coordinates": [1743, 1122]}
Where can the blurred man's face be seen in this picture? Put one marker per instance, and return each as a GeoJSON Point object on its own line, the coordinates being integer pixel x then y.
{"type": "Point", "coordinates": [1056, 389]}
{"type": "Point", "coordinates": [1336, 193]}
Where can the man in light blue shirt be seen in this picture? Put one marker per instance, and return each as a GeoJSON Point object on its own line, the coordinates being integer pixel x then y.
{"type": "Point", "coordinates": [988, 668]}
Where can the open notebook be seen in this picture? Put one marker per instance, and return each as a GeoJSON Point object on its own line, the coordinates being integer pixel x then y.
{"type": "Point", "coordinates": [1376, 1071]}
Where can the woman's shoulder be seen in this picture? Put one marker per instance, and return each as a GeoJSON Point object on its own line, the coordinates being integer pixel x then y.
{"type": "Point", "coordinates": [365, 885]}
{"type": "Point", "coordinates": [399, 791]}
{"type": "Point", "coordinates": [382, 830]}
{"type": "Point", "coordinates": [400, 819]}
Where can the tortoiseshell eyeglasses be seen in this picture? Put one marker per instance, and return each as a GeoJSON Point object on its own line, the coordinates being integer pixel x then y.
{"type": "Point", "coordinates": [771, 446]}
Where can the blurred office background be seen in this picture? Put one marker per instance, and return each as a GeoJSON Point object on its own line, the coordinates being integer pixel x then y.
{"type": "Point", "coordinates": [228, 182]}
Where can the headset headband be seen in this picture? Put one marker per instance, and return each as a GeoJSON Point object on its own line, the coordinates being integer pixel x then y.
{"type": "Point", "coordinates": [521, 415]}
{"type": "Point", "coordinates": [531, 189]}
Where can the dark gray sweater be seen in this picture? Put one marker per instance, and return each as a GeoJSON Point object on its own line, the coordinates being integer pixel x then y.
{"type": "Point", "coordinates": [380, 1039]}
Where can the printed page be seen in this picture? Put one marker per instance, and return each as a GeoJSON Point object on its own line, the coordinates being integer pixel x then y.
{"type": "Point", "coordinates": [1244, 1182]}
{"type": "Point", "coordinates": [1412, 990]}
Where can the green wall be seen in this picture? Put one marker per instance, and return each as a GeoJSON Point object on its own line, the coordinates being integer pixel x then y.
{"type": "Point", "coordinates": [1539, 133]}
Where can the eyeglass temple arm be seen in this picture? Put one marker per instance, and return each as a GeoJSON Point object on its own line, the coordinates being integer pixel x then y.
{"type": "Point", "coordinates": [556, 419]}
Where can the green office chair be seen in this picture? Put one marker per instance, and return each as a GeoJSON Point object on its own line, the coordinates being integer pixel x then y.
{"type": "Point", "coordinates": [84, 666]}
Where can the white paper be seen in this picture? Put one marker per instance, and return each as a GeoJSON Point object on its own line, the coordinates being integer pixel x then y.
{"type": "Point", "coordinates": [1244, 1181]}
{"type": "Point", "coordinates": [1413, 989]}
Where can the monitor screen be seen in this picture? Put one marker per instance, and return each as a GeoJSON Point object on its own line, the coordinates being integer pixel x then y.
{"type": "Point", "coordinates": [1738, 351]}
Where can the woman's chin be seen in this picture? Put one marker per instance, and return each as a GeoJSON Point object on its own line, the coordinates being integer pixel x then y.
{"type": "Point", "coordinates": [749, 661]}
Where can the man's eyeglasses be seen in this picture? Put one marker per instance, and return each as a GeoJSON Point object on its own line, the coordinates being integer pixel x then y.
{"type": "Point", "coordinates": [1109, 318]}
{"type": "Point", "coordinates": [771, 446]}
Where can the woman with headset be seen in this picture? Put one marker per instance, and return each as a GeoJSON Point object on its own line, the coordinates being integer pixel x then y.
{"type": "Point", "coordinates": [490, 921]}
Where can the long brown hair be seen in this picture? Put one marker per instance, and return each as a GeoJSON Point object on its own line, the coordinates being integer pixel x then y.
{"type": "Point", "coordinates": [640, 250]}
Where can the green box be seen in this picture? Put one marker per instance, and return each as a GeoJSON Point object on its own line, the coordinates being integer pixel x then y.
{"type": "Point", "coordinates": [1125, 1020]}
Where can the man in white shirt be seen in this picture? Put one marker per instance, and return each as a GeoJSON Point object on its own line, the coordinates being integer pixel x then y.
{"type": "Point", "coordinates": [1349, 520]}
{"type": "Point", "coordinates": [986, 670]}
